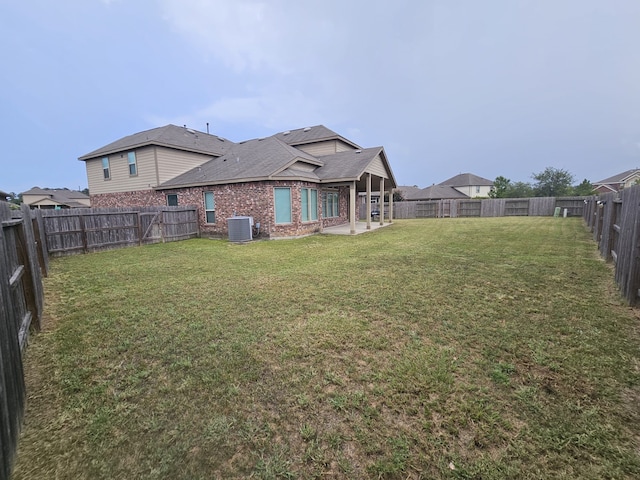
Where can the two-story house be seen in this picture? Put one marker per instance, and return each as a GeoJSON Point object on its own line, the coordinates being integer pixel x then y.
{"type": "Point", "coordinates": [470, 185]}
{"type": "Point", "coordinates": [293, 183]}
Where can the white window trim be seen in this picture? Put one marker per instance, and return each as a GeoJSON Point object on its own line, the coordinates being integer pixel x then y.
{"type": "Point", "coordinates": [108, 169]}
{"type": "Point", "coordinates": [135, 163]}
{"type": "Point", "coordinates": [275, 212]}
{"type": "Point", "coordinates": [206, 210]}
{"type": "Point", "coordinates": [311, 215]}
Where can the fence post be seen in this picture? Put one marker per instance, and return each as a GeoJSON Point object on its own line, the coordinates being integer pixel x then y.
{"type": "Point", "coordinates": [613, 221]}
{"type": "Point", "coordinates": [162, 236]}
{"type": "Point", "coordinates": [197, 220]}
{"type": "Point", "coordinates": [83, 233]}
{"type": "Point", "coordinates": [596, 225]}
{"type": "Point", "coordinates": [41, 242]}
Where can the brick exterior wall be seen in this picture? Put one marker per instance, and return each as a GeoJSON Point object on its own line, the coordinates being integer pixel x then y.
{"type": "Point", "coordinates": [254, 199]}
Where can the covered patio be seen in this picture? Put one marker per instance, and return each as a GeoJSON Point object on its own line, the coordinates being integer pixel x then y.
{"type": "Point", "coordinates": [360, 227]}
{"type": "Point", "coordinates": [363, 171]}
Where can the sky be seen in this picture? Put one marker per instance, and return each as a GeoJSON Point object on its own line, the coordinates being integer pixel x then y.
{"type": "Point", "coordinates": [491, 87]}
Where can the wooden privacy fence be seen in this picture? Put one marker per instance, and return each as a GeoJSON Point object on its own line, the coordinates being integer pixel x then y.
{"type": "Point", "coordinates": [21, 305]}
{"type": "Point", "coordinates": [489, 207]}
{"type": "Point", "coordinates": [91, 229]}
{"type": "Point", "coordinates": [614, 219]}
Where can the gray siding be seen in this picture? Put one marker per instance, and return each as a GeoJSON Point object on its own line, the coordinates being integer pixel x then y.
{"type": "Point", "coordinates": [376, 167]}
{"type": "Point", "coordinates": [120, 180]}
{"type": "Point", "coordinates": [172, 163]}
{"type": "Point", "coordinates": [319, 149]}
{"type": "Point", "coordinates": [343, 147]}
{"type": "Point", "coordinates": [303, 166]}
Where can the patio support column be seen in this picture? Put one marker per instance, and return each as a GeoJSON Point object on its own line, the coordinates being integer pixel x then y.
{"type": "Point", "coordinates": [368, 201]}
{"type": "Point", "coordinates": [381, 200]}
{"type": "Point", "coordinates": [391, 206]}
{"type": "Point", "coordinates": [352, 207]}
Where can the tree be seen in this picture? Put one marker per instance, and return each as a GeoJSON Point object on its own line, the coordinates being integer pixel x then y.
{"type": "Point", "coordinates": [397, 196]}
{"type": "Point", "coordinates": [519, 190]}
{"type": "Point", "coordinates": [500, 187]}
{"type": "Point", "coordinates": [15, 198]}
{"type": "Point", "coordinates": [584, 189]}
{"type": "Point", "coordinates": [552, 182]}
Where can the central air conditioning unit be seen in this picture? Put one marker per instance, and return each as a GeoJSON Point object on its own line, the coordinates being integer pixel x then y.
{"type": "Point", "coordinates": [240, 229]}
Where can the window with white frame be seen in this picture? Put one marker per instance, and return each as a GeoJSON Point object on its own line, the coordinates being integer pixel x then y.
{"type": "Point", "coordinates": [209, 207]}
{"type": "Point", "coordinates": [106, 171]}
{"type": "Point", "coordinates": [133, 165]}
{"type": "Point", "coordinates": [330, 205]}
{"type": "Point", "coordinates": [282, 197]}
{"type": "Point", "coordinates": [309, 204]}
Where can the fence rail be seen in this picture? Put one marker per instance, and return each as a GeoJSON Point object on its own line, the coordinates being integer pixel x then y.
{"type": "Point", "coordinates": [81, 230]}
{"type": "Point", "coordinates": [489, 207]}
{"type": "Point", "coordinates": [22, 264]}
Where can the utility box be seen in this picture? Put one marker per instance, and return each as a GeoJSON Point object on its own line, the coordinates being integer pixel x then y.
{"type": "Point", "coordinates": [240, 229]}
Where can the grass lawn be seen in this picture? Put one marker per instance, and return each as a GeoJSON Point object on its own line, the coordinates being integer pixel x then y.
{"type": "Point", "coordinates": [451, 348]}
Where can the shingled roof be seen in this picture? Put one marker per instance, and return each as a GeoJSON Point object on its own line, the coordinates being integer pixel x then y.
{"type": "Point", "coordinates": [347, 166]}
{"type": "Point", "coordinates": [466, 180]}
{"type": "Point", "coordinates": [63, 196]}
{"type": "Point", "coordinates": [619, 178]}
{"type": "Point", "coordinates": [171, 136]}
{"type": "Point", "coordinates": [317, 133]}
{"type": "Point", "coordinates": [438, 192]}
{"type": "Point", "coordinates": [410, 191]}
{"type": "Point", "coordinates": [271, 158]}
{"type": "Point", "coordinates": [248, 161]}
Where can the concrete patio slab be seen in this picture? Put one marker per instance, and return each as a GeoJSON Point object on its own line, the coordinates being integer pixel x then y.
{"type": "Point", "coordinates": [361, 227]}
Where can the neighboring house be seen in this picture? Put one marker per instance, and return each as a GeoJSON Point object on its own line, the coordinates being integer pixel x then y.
{"type": "Point", "coordinates": [470, 185]}
{"type": "Point", "coordinates": [4, 196]}
{"type": "Point", "coordinates": [436, 192]}
{"type": "Point", "coordinates": [53, 198]}
{"type": "Point", "coordinates": [408, 192]}
{"type": "Point", "coordinates": [292, 183]}
{"type": "Point", "coordinates": [618, 182]}
{"type": "Point", "coordinates": [375, 196]}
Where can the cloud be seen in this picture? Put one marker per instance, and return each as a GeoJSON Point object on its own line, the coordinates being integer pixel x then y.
{"type": "Point", "coordinates": [320, 61]}
{"type": "Point", "coordinates": [315, 39]}
{"type": "Point", "coordinates": [271, 111]}
{"type": "Point", "coordinates": [245, 35]}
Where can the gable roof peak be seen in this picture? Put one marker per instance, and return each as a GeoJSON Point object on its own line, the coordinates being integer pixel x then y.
{"type": "Point", "coordinates": [466, 180]}
{"type": "Point", "coordinates": [313, 134]}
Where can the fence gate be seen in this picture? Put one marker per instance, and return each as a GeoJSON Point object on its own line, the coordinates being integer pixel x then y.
{"type": "Point", "coordinates": [150, 225]}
